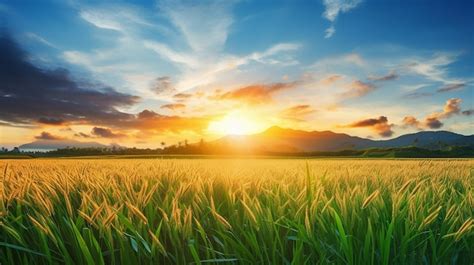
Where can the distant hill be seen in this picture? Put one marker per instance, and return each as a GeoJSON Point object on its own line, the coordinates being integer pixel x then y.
{"type": "Point", "coordinates": [277, 139]}
{"type": "Point", "coordinates": [59, 144]}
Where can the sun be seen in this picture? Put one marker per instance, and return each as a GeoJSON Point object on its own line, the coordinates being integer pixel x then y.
{"type": "Point", "coordinates": [235, 123]}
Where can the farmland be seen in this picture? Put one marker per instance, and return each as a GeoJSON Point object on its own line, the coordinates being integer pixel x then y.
{"type": "Point", "coordinates": [236, 211]}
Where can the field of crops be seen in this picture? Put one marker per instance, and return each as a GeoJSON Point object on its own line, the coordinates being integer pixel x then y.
{"type": "Point", "coordinates": [236, 211]}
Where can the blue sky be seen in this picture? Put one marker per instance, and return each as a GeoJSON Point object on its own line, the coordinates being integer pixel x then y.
{"type": "Point", "coordinates": [341, 61]}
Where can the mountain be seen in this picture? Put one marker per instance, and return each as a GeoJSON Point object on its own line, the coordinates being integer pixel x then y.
{"type": "Point", "coordinates": [429, 140]}
{"type": "Point", "coordinates": [277, 139]}
{"type": "Point", "coordinates": [59, 144]}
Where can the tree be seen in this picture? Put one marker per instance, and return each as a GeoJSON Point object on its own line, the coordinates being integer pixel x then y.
{"type": "Point", "coordinates": [163, 145]}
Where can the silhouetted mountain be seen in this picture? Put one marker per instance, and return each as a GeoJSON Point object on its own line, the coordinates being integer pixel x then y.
{"type": "Point", "coordinates": [59, 144]}
{"type": "Point", "coordinates": [277, 139]}
{"type": "Point", "coordinates": [429, 140]}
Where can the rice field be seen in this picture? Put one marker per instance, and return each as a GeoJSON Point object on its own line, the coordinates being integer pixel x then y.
{"type": "Point", "coordinates": [236, 211]}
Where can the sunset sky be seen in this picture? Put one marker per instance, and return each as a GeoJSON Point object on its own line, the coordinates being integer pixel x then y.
{"type": "Point", "coordinates": [144, 72]}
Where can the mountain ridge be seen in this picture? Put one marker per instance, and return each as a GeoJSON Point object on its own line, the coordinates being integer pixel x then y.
{"type": "Point", "coordinates": [275, 137]}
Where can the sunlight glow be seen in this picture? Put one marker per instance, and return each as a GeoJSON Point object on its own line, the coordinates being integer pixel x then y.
{"type": "Point", "coordinates": [235, 123]}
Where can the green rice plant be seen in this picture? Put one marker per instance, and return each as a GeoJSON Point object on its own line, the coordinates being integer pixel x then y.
{"type": "Point", "coordinates": [236, 211]}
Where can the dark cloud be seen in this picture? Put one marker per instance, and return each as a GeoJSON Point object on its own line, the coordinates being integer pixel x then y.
{"type": "Point", "coordinates": [163, 85]}
{"type": "Point", "coordinates": [147, 114]}
{"type": "Point", "coordinates": [51, 121]}
{"type": "Point", "coordinates": [369, 122]}
{"type": "Point", "coordinates": [254, 94]}
{"type": "Point", "coordinates": [48, 136]}
{"type": "Point", "coordinates": [30, 94]}
{"type": "Point", "coordinates": [380, 125]}
{"type": "Point", "coordinates": [105, 133]}
{"type": "Point", "coordinates": [415, 95]}
{"type": "Point", "coordinates": [83, 135]}
{"type": "Point", "coordinates": [358, 89]}
{"type": "Point", "coordinates": [433, 123]}
{"type": "Point", "coordinates": [174, 106]}
{"type": "Point", "coordinates": [392, 75]}
{"type": "Point", "coordinates": [151, 121]}
{"type": "Point", "coordinates": [451, 87]}
{"type": "Point", "coordinates": [468, 112]}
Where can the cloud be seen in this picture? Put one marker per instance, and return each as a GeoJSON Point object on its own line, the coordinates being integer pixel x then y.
{"type": "Point", "coordinates": [105, 133]}
{"type": "Point", "coordinates": [468, 112]}
{"type": "Point", "coordinates": [203, 59]}
{"type": "Point", "coordinates": [83, 135]}
{"type": "Point", "coordinates": [434, 120]}
{"type": "Point", "coordinates": [392, 75]}
{"type": "Point", "coordinates": [329, 32]}
{"type": "Point", "coordinates": [48, 136]}
{"type": "Point", "coordinates": [434, 69]}
{"type": "Point", "coordinates": [38, 38]}
{"type": "Point", "coordinates": [199, 68]}
{"type": "Point", "coordinates": [380, 125]}
{"type": "Point", "coordinates": [297, 112]}
{"type": "Point", "coordinates": [255, 94]}
{"type": "Point", "coordinates": [433, 123]}
{"type": "Point", "coordinates": [154, 122]}
{"type": "Point", "coordinates": [330, 80]}
{"type": "Point", "coordinates": [410, 121]}
{"type": "Point", "coordinates": [358, 89]}
{"type": "Point", "coordinates": [29, 93]}
{"type": "Point", "coordinates": [452, 106]}
{"type": "Point", "coordinates": [182, 96]}
{"type": "Point", "coordinates": [114, 17]}
{"type": "Point", "coordinates": [51, 121]}
{"type": "Point", "coordinates": [163, 85]}
{"type": "Point", "coordinates": [414, 95]}
{"type": "Point", "coordinates": [451, 87]}
{"type": "Point", "coordinates": [335, 7]}
{"type": "Point", "coordinates": [203, 31]}
{"type": "Point", "coordinates": [147, 114]}
{"type": "Point", "coordinates": [175, 106]}
{"type": "Point", "coordinates": [337, 62]}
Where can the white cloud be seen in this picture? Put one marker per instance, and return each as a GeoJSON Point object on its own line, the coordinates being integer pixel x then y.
{"type": "Point", "coordinates": [345, 60]}
{"type": "Point", "coordinates": [39, 39]}
{"type": "Point", "coordinates": [335, 7]}
{"type": "Point", "coordinates": [434, 69]}
{"type": "Point", "coordinates": [330, 31]}
{"type": "Point", "coordinates": [204, 28]}
{"type": "Point", "coordinates": [191, 50]}
{"type": "Point", "coordinates": [204, 25]}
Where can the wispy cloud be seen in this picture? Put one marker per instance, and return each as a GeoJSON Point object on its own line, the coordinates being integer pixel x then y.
{"type": "Point", "coordinates": [255, 94]}
{"type": "Point", "coordinates": [173, 106]}
{"type": "Point", "coordinates": [451, 87]}
{"type": "Point", "coordinates": [392, 75]}
{"type": "Point", "coordinates": [203, 59]}
{"type": "Point", "coordinates": [333, 8]}
{"type": "Point", "coordinates": [38, 38]}
{"type": "Point", "coordinates": [358, 89]}
{"type": "Point", "coordinates": [434, 68]}
{"type": "Point", "coordinates": [297, 113]}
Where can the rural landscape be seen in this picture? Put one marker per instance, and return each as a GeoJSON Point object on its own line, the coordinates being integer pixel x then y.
{"type": "Point", "coordinates": [236, 132]}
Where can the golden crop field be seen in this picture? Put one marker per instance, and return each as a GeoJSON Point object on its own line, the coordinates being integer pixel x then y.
{"type": "Point", "coordinates": [236, 211]}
